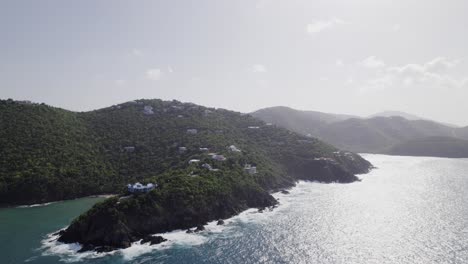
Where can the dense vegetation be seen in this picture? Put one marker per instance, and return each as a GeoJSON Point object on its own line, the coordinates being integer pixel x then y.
{"type": "Point", "coordinates": [372, 135]}
{"type": "Point", "coordinates": [49, 154]}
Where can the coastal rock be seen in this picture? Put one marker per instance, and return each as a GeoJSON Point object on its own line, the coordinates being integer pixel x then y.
{"type": "Point", "coordinates": [284, 192]}
{"type": "Point", "coordinates": [189, 231]}
{"type": "Point", "coordinates": [199, 229]}
{"type": "Point", "coordinates": [220, 222]}
{"type": "Point", "coordinates": [104, 249]}
{"type": "Point", "coordinates": [87, 247]}
{"type": "Point", "coordinates": [59, 233]}
{"type": "Point", "coordinates": [153, 240]}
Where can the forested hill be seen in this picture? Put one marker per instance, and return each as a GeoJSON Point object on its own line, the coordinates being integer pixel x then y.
{"type": "Point", "coordinates": [48, 153]}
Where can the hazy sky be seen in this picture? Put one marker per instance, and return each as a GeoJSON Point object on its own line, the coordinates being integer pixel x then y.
{"type": "Point", "coordinates": [349, 56]}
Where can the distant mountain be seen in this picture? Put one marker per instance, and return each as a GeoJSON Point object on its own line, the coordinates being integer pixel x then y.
{"type": "Point", "coordinates": [432, 146]}
{"type": "Point", "coordinates": [373, 135]}
{"type": "Point", "coordinates": [304, 122]}
{"type": "Point", "coordinates": [406, 116]}
{"type": "Point", "coordinates": [397, 113]}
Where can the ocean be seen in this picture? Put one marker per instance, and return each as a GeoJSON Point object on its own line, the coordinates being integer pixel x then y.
{"type": "Point", "coordinates": [408, 210]}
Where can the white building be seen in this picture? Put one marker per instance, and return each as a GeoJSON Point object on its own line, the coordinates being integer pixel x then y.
{"type": "Point", "coordinates": [218, 157]}
{"type": "Point", "coordinates": [140, 188]}
{"type": "Point", "coordinates": [204, 149]}
{"type": "Point", "coordinates": [192, 131]}
{"type": "Point", "coordinates": [182, 150]}
{"type": "Point", "coordinates": [129, 149]}
{"type": "Point", "coordinates": [234, 148]}
{"type": "Point", "coordinates": [250, 169]}
{"type": "Point", "coordinates": [194, 161]}
{"type": "Point", "coordinates": [148, 110]}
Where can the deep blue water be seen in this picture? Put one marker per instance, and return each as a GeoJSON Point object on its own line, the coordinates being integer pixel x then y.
{"type": "Point", "coordinates": [409, 210]}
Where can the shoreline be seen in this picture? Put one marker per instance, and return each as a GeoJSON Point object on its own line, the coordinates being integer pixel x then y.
{"type": "Point", "coordinates": [57, 201]}
{"type": "Point", "coordinates": [71, 251]}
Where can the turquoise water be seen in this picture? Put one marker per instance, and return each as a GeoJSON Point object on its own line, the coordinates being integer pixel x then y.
{"type": "Point", "coordinates": [22, 229]}
{"type": "Point", "coordinates": [409, 210]}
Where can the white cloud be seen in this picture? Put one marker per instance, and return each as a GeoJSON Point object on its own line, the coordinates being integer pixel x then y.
{"type": "Point", "coordinates": [440, 64]}
{"type": "Point", "coordinates": [260, 4]}
{"type": "Point", "coordinates": [339, 63]}
{"type": "Point", "coordinates": [321, 25]}
{"type": "Point", "coordinates": [396, 27]}
{"type": "Point", "coordinates": [137, 52]}
{"type": "Point", "coordinates": [432, 74]}
{"type": "Point", "coordinates": [120, 82]}
{"type": "Point", "coordinates": [153, 74]}
{"type": "Point", "coordinates": [259, 68]}
{"type": "Point", "coordinates": [372, 62]}
{"type": "Point", "coordinates": [169, 69]}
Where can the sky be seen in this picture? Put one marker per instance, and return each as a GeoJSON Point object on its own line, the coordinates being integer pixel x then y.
{"type": "Point", "coordinates": [341, 56]}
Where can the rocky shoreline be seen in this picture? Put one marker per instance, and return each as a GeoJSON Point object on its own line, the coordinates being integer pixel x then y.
{"type": "Point", "coordinates": [117, 223]}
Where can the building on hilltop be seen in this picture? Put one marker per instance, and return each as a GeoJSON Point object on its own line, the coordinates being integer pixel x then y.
{"type": "Point", "coordinates": [140, 188]}
{"type": "Point", "coordinates": [148, 110]}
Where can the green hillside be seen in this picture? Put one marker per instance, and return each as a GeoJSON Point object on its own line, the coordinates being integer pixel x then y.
{"type": "Point", "coordinates": [51, 154]}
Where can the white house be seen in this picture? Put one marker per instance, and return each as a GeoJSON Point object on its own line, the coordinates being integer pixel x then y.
{"type": "Point", "coordinates": [209, 167]}
{"type": "Point", "coordinates": [192, 131]}
{"type": "Point", "coordinates": [218, 157]}
{"type": "Point", "coordinates": [148, 110]}
{"type": "Point", "coordinates": [234, 148]}
{"type": "Point", "coordinates": [254, 127]}
{"type": "Point", "coordinates": [204, 149]}
{"type": "Point", "coordinates": [129, 149]}
{"type": "Point", "coordinates": [250, 169]}
{"type": "Point", "coordinates": [193, 161]}
{"type": "Point", "coordinates": [140, 188]}
{"type": "Point", "coordinates": [182, 150]}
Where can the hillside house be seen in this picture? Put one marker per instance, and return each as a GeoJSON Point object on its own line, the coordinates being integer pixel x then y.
{"type": "Point", "coordinates": [233, 148]}
{"type": "Point", "coordinates": [192, 131]}
{"type": "Point", "coordinates": [182, 150]}
{"type": "Point", "coordinates": [194, 161]}
{"type": "Point", "coordinates": [204, 149]}
{"type": "Point", "coordinates": [129, 149]}
{"type": "Point", "coordinates": [140, 188]}
{"type": "Point", "coordinates": [148, 110]}
{"type": "Point", "coordinates": [218, 157]}
{"type": "Point", "coordinates": [250, 169]}
{"type": "Point", "coordinates": [209, 167]}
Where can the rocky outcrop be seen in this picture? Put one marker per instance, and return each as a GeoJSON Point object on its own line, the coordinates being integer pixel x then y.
{"type": "Point", "coordinates": [117, 223]}
{"type": "Point", "coordinates": [153, 240]}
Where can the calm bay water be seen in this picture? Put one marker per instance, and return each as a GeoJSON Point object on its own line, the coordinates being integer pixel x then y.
{"type": "Point", "coordinates": [409, 210]}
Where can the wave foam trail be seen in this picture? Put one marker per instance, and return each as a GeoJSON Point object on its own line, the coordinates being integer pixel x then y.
{"type": "Point", "coordinates": [179, 238]}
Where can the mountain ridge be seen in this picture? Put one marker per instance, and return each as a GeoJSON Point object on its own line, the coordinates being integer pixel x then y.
{"type": "Point", "coordinates": [373, 135]}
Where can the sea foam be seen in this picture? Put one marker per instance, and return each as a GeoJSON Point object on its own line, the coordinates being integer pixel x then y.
{"type": "Point", "coordinates": [179, 238]}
